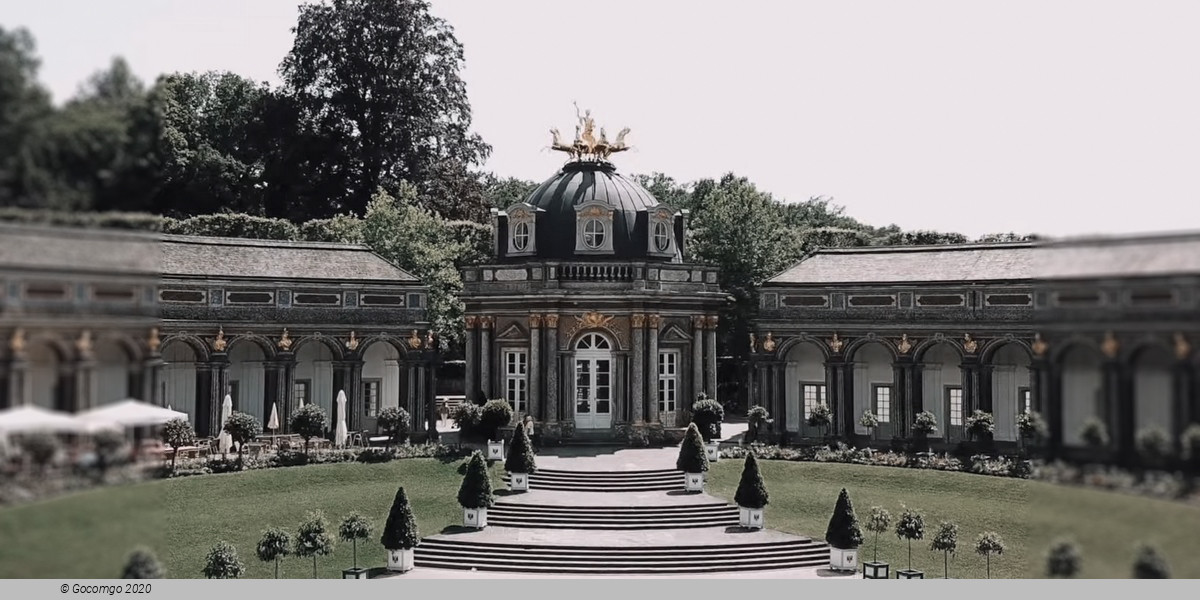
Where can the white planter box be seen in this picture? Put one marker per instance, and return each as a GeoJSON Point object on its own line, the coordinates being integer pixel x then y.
{"type": "Point", "coordinates": [750, 518]}
{"type": "Point", "coordinates": [518, 482]}
{"type": "Point", "coordinates": [694, 482]}
{"type": "Point", "coordinates": [713, 451]}
{"type": "Point", "coordinates": [401, 560]}
{"type": "Point", "coordinates": [843, 560]}
{"type": "Point", "coordinates": [495, 450]}
{"type": "Point", "coordinates": [475, 517]}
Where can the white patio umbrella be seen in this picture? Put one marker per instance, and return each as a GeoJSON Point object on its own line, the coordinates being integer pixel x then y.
{"type": "Point", "coordinates": [342, 432]}
{"type": "Point", "coordinates": [30, 418]}
{"type": "Point", "coordinates": [129, 413]}
{"type": "Point", "coordinates": [273, 424]}
{"type": "Point", "coordinates": [225, 440]}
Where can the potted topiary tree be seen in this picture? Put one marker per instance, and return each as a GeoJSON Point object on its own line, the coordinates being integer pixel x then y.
{"type": "Point", "coordinates": [475, 494]}
{"type": "Point", "coordinates": [924, 426]}
{"type": "Point", "coordinates": [274, 545]}
{"type": "Point", "coordinates": [946, 542]}
{"type": "Point", "coordinates": [222, 562]}
{"type": "Point", "coordinates": [980, 426]}
{"type": "Point", "coordinates": [1189, 442]}
{"type": "Point", "coordinates": [1149, 564]}
{"type": "Point", "coordinates": [692, 459]}
{"type": "Point", "coordinates": [520, 462]}
{"type": "Point", "coordinates": [353, 528]}
{"type": "Point", "coordinates": [395, 423]}
{"type": "Point", "coordinates": [879, 522]}
{"type": "Point", "coordinates": [756, 419]}
{"type": "Point", "coordinates": [987, 544]}
{"type": "Point", "coordinates": [177, 433]}
{"type": "Point", "coordinates": [242, 428]}
{"type": "Point", "coordinates": [1094, 433]}
{"type": "Point", "coordinates": [751, 496]}
{"type": "Point", "coordinates": [707, 415]}
{"type": "Point", "coordinates": [142, 564]}
{"type": "Point", "coordinates": [822, 417]}
{"type": "Point", "coordinates": [870, 422]}
{"type": "Point", "coordinates": [911, 526]}
{"type": "Point", "coordinates": [400, 534]}
{"type": "Point", "coordinates": [309, 422]}
{"type": "Point", "coordinates": [843, 535]}
{"type": "Point", "coordinates": [1154, 446]}
{"type": "Point", "coordinates": [1031, 426]}
{"type": "Point", "coordinates": [494, 415]}
{"type": "Point", "coordinates": [312, 539]}
{"type": "Point", "coordinates": [1063, 559]}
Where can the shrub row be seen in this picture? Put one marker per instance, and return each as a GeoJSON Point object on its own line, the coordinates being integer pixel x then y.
{"type": "Point", "coordinates": [207, 466]}
{"type": "Point", "coordinates": [983, 465]}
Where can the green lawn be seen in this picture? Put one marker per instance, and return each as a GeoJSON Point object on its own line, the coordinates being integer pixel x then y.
{"type": "Point", "coordinates": [89, 534]}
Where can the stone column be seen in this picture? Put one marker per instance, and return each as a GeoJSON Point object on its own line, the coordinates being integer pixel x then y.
{"type": "Point", "coordinates": [84, 378]}
{"type": "Point", "coordinates": [1119, 409]}
{"type": "Point", "coordinates": [151, 376]}
{"type": "Point", "coordinates": [843, 418]}
{"type": "Point", "coordinates": [537, 406]}
{"type": "Point", "coordinates": [652, 323]}
{"type": "Point", "coordinates": [471, 387]}
{"type": "Point", "coordinates": [710, 352]}
{"type": "Point", "coordinates": [418, 414]}
{"type": "Point", "coordinates": [431, 416]}
{"type": "Point", "coordinates": [218, 388]}
{"type": "Point", "coordinates": [354, 396]}
{"type": "Point", "coordinates": [697, 359]}
{"type": "Point", "coordinates": [410, 377]}
{"type": "Point", "coordinates": [18, 375]}
{"type": "Point", "coordinates": [1181, 413]}
{"type": "Point", "coordinates": [638, 368]}
{"type": "Point", "coordinates": [552, 359]}
{"type": "Point", "coordinates": [969, 369]}
{"type": "Point", "coordinates": [287, 395]}
{"type": "Point", "coordinates": [485, 355]}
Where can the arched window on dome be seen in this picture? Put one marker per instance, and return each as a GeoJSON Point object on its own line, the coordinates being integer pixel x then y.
{"type": "Point", "coordinates": [594, 228]}
{"type": "Point", "coordinates": [593, 234]}
{"type": "Point", "coordinates": [661, 233]}
{"type": "Point", "coordinates": [521, 236]}
{"type": "Point", "coordinates": [522, 229]}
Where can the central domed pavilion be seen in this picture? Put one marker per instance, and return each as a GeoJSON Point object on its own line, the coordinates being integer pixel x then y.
{"type": "Point", "coordinates": [589, 317]}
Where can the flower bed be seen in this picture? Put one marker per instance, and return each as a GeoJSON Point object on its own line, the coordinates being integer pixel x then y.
{"type": "Point", "coordinates": [207, 466]}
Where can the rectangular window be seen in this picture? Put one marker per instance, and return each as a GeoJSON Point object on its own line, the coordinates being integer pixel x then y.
{"type": "Point", "coordinates": [1024, 400]}
{"type": "Point", "coordinates": [516, 385]}
{"type": "Point", "coordinates": [814, 395]}
{"type": "Point", "coordinates": [300, 391]}
{"type": "Point", "coordinates": [883, 403]}
{"type": "Point", "coordinates": [668, 381]}
{"type": "Point", "coordinates": [371, 397]}
{"type": "Point", "coordinates": [954, 399]}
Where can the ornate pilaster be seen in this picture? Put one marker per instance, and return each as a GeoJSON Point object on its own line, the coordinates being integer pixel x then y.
{"type": "Point", "coordinates": [552, 360]}
{"type": "Point", "coordinates": [485, 355]}
{"type": "Point", "coordinates": [471, 386]}
{"type": "Point", "coordinates": [697, 359]}
{"type": "Point", "coordinates": [710, 353]}
{"type": "Point", "coordinates": [412, 402]}
{"type": "Point", "coordinates": [534, 374]}
{"type": "Point", "coordinates": [354, 401]}
{"type": "Point", "coordinates": [637, 374]}
{"type": "Point", "coordinates": [652, 324]}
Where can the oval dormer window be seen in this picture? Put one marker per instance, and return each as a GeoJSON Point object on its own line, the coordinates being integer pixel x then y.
{"type": "Point", "coordinates": [593, 234]}
{"type": "Point", "coordinates": [662, 237]}
{"type": "Point", "coordinates": [521, 236]}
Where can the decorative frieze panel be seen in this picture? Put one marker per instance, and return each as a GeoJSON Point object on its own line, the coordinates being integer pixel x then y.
{"type": "Point", "coordinates": [1008, 300]}
{"type": "Point", "coordinates": [512, 275]}
{"type": "Point", "coordinates": [873, 301]}
{"type": "Point", "coordinates": [187, 296]}
{"type": "Point", "coordinates": [250, 297]}
{"type": "Point", "coordinates": [806, 301]}
{"type": "Point", "coordinates": [938, 300]}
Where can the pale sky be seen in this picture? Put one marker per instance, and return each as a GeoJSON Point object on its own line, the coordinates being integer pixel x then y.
{"type": "Point", "coordinates": [1057, 117]}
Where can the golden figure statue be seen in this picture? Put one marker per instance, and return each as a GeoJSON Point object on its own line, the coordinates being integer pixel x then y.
{"type": "Point", "coordinates": [1182, 347]}
{"type": "Point", "coordinates": [586, 145]}
{"type": "Point", "coordinates": [1039, 345]}
{"type": "Point", "coordinates": [84, 343]}
{"type": "Point", "coordinates": [153, 342]}
{"type": "Point", "coordinates": [414, 341]}
{"type": "Point", "coordinates": [904, 346]}
{"type": "Point", "coordinates": [836, 344]}
{"type": "Point", "coordinates": [969, 344]}
{"type": "Point", "coordinates": [1110, 345]}
{"type": "Point", "coordinates": [220, 344]}
{"type": "Point", "coordinates": [352, 343]}
{"type": "Point", "coordinates": [17, 343]}
{"type": "Point", "coordinates": [285, 342]}
{"type": "Point", "coordinates": [769, 343]}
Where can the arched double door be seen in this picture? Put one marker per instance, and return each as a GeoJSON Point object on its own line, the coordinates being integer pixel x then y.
{"type": "Point", "coordinates": [593, 382]}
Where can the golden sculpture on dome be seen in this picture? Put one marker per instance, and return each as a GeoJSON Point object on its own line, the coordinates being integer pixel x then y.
{"type": "Point", "coordinates": [586, 145]}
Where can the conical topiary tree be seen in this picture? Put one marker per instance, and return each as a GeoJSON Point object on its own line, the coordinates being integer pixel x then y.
{"type": "Point", "coordinates": [1063, 559]}
{"type": "Point", "coordinates": [1150, 564]}
{"type": "Point", "coordinates": [751, 491]}
{"type": "Point", "coordinates": [843, 532]}
{"type": "Point", "coordinates": [520, 453]}
{"type": "Point", "coordinates": [692, 458]}
{"type": "Point", "coordinates": [476, 489]}
{"type": "Point", "coordinates": [142, 564]}
{"type": "Point", "coordinates": [400, 531]}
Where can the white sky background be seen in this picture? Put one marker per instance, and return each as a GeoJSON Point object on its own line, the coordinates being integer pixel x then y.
{"type": "Point", "coordinates": [1041, 116]}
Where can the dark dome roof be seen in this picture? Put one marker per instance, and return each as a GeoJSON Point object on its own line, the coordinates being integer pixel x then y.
{"type": "Point", "coordinates": [580, 182]}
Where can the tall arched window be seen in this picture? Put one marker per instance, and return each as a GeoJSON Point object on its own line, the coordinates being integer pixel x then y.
{"type": "Point", "coordinates": [521, 236]}
{"type": "Point", "coordinates": [662, 237]}
{"type": "Point", "coordinates": [593, 234]}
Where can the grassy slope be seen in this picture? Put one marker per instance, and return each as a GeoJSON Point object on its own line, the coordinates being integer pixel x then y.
{"type": "Point", "coordinates": [90, 534]}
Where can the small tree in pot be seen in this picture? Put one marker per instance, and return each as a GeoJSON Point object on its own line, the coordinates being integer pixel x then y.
{"type": "Point", "coordinates": [1032, 427]}
{"type": "Point", "coordinates": [924, 426]}
{"type": "Point", "coordinates": [109, 444]}
{"type": "Point", "coordinates": [395, 423]}
{"type": "Point", "coordinates": [870, 422]}
{"type": "Point", "coordinates": [1149, 564]}
{"type": "Point", "coordinates": [1094, 433]}
{"type": "Point", "coordinates": [274, 545]}
{"type": "Point", "coordinates": [751, 496]}
{"type": "Point", "coordinates": [707, 415]}
{"type": "Point", "coordinates": [521, 461]}
{"type": "Point", "coordinates": [242, 428]}
{"type": "Point", "coordinates": [400, 534]}
{"type": "Point", "coordinates": [142, 564]}
{"type": "Point", "coordinates": [1063, 559]}
{"type": "Point", "coordinates": [911, 526]}
{"type": "Point", "coordinates": [1189, 442]}
{"type": "Point", "coordinates": [495, 414]}
{"type": "Point", "coordinates": [843, 535]}
{"type": "Point", "coordinates": [987, 544]}
{"type": "Point", "coordinates": [757, 419]}
{"type": "Point", "coordinates": [879, 522]}
{"type": "Point", "coordinates": [946, 542]}
{"type": "Point", "coordinates": [980, 426]}
{"type": "Point", "coordinates": [309, 422]}
{"type": "Point", "coordinates": [692, 460]}
{"type": "Point", "coordinates": [1154, 445]}
{"type": "Point", "coordinates": [475, 494]}
{"type": "Point", "coordinates": [312, 539]}
{"type": "Point", "coordinates": [222, 562]}
{"type": "Point", "coordinates": [177, 433]}
{"type": "Point", "coordinates": [353, 528]}
{"type": "Point", "coordinates": [821, 417]}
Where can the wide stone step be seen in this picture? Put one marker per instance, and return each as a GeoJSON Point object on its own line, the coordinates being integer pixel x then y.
{"type": "Point", "coordinates": [613, 511]}
{"type": "Point", "coordinates": [608, 474]}
{"type": "Point", "coordinates": [657, 487]}
{"type": "Point", "coordinates": [612, 525]}
{"type": "Point", "coordinates": [624, 550]}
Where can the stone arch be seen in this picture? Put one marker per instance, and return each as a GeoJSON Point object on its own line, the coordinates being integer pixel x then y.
{"type": "Point", "coordinates": [313, 381]}
{"type": "Point", "coordinates": [854, 346]}
{"type": "Point", "coordinates": [178, 377]}
{"type": "Point", "coordinates": [922, 347]}
{"type": "Point", "coordinates": [115, 358]}
{"type": "Point", "coordinates": [803, 338]}
{"type": "Point", "coordinates": [873, 386]}
{"type": "Point", "coordinates": [197, 345]}
{"type": "Point", "coordinates": [47, 357]}
{"type": "Point", "coordinates": [266, 346]}
{"type": "Point", "coordinates": [382, 379]}
{"type": "Point", "coordinates": [991, 347]}
{"type": "Point", "coordinates": [1080, 364]}
{"type": "Point", "coordinates": [1009, 362]}
{"type": "Point", "coordinates": [335, 346]}
{"type": "Point", "coordinates": [247, 376]}
{"type": "Point", "coordinates": [806, 385]}
{"type": "Point", "coordinates": [399, 344]}
{"type": "Point", "coordinates": [1151, 368]}
{"type": "Point", "coordinates": [1073, 342]}
{"type": "Point", "coordinates": [942, 391]}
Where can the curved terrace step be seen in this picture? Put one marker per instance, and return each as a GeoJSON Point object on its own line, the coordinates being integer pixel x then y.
{"type": "Point", "coordinates": [605, 481]}
{"type": "Point", "coordinates": [622, 517]}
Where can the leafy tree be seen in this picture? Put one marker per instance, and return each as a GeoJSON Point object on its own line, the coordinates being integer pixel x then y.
{"type": "Point", "coordinates": [843, 532]}
{"type": "Point", "coordinates": [922, 238]}
{"type": "Point", "coordinates": [23, 104]}
{"type": "Point", "coordinates": [222, 562]}
{"type": "Point", "coordinates": [1031, 425]}
{"type": "Point", "coordinates": [109, 444]}
{"type": "Point", "coordinates": [476, 489]}
{"type": "Point", "coordinates": [946, 542]}
{"type": "Point", "coordinates": [495, 414]}
{"type": "Point", "coordinates": [1063, 559]}
{"type": "Point", "coordinates": [274, 545]}
{"type": "Point", "coordinates": [708, 414]}
{"type": "Point", "coordinates": [308, 422]}
{"type": "Point", "coordinates": [1154, 444]}
{"type": "Point", "coordinates": [987, 544]}
{"type": "Point", "coordinates": [41, 448]}
{"type": "Point", "coordinates": [142, 564]}
{"type": "Point", "coordinates": [520, 453]}
{"type": "Point", "coordinates": [879, 522]}
{"type": "Point", "coordinates": [178, 433]}
{"type": "Point", "coordinates": [979, 424]}
{"type": "Point", "coordinates": [1189, 441]}
{"type": "Point", "coordinates": [312, 539]}
{"type": "Point", "coordinates": [822, 417]}
{"type": "Point", "coordinates": [911, 526]}
{"type": "Point", "coordinates": [757, 417]}
{"type": "Point", "coordinates": [869, 421]}
{"type": "Point", "coordinates": [353, 528]}
{"type": "Point", "coordinates": [692, 458]}
{"type": "Point", "coordinates": [751, 490]}
{"type": "Point", "coordinates": [502, 193]}
{"type": "Point", "coordinates": [243, 428]}
{"type": "Point", "coordinates": [1150, 564]}
{"type": "Point", "coordinates": [1094, 433]}
{"type": "Point", "coordinates": [400, 532]}
{"type": "Point", "coordinates": [378, 81]}
{"type": "Point", "coordinates": [395, 423]}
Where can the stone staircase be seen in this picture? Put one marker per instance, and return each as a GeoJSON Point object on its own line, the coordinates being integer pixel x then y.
{"type": "Point", "coordinates": [543, 516]}
{"type": "Point", "coordinates": [605, 481]}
